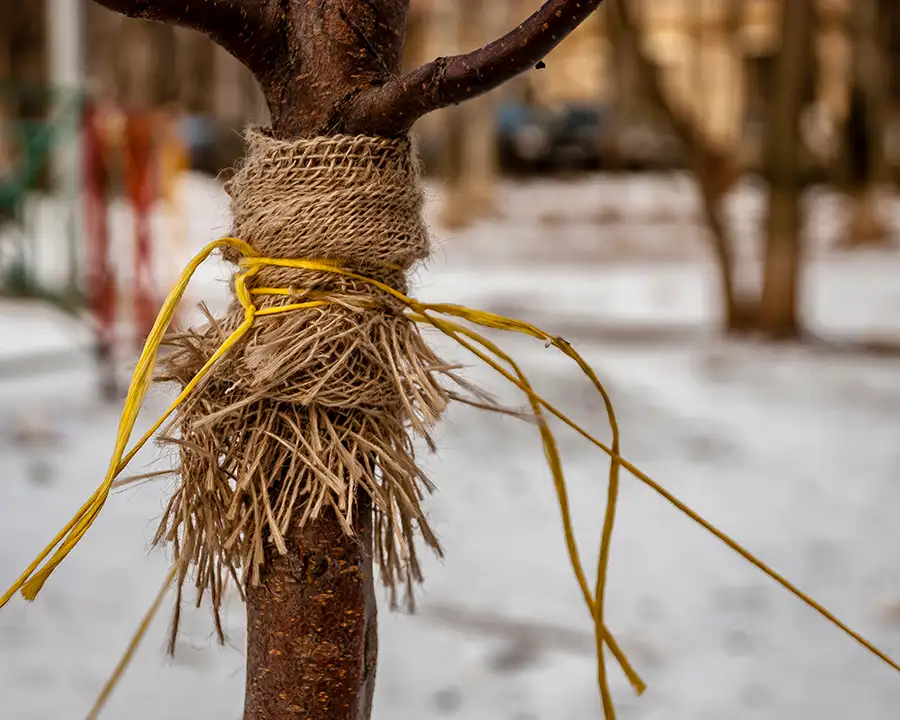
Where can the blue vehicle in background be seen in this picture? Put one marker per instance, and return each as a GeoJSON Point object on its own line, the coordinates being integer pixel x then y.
{"type": "Point", "coordinates": [533, 138]}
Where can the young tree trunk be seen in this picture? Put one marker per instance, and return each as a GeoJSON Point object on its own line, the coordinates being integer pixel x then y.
{"type": "Point", "coordinates": [312, 638]}
{"type": "Point", "coordinates": [778, 311]}
{"type": "Point", "coordinates": [328, 68]}
{"type": "Point", "coordinates": [739, 313]}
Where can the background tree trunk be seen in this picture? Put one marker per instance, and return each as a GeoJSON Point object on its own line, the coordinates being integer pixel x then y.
{"type": "Point", "coordinates": [713, 170]}
{"type": "Point", "coordinates": [165, 72]}
{"type": "Point", "coordinates": [778, 311]}
{"type": "Point", "coordinates": [470, 155]}
{"type": "Point", "coordinates": [865, 128]}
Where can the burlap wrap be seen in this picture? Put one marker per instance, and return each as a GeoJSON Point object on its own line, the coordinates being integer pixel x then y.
{"type": "Point", "coordinates": [316, 405]}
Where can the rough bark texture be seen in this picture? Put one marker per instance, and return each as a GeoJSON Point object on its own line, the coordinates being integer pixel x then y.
{"type": "Point", "coordinates": [312, 627]}
{"type": "Point", "coordinates": [327, 68]}
{"type": "Point", "coordinates": [331, 67]}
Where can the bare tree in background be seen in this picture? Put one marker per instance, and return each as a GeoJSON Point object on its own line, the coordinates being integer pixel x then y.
{"type": "Point", "coordinates": [715, 170]}
{"type": "Point", "coordinates": [470, 162]}
{"type": "Point", "coordinates": [165, 71]}
{"type": "Point", "coordinates": [865, 127]}
{"type": "Point", "coordinates": [778, 315]}
{"type": "Point", "coordinates": [328, 68]}
{"type": "Point", "coordinates": [712, 168]}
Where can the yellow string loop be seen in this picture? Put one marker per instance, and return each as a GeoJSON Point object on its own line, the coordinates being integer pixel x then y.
{"type": "Point", "coordinates": [437, 316]}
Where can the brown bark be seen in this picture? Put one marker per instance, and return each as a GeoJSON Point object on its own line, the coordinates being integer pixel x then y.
{"type": "Point", "coordinates": [328, 67]}
{"type": "Point", "coordinates": [778, 317]}
{"type": "Point", "coordinates": [325, 68]}
{"type": "Point", "coordinates": [778, 310]}
{"type": "Point", "coordinates": [311, 625]}
{"type": "Point", "coordinates": [739, 313]}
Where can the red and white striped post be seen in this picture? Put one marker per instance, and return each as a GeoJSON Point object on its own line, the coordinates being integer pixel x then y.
{"type": "Point", "coordinates": [101, 281]}
{"type": "Point", "coordinates": [139, 167]}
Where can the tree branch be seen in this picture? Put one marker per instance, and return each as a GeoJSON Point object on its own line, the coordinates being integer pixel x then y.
{"type": "Point", "coordinates": [245, 28]}
{"type": "Point", "coordinates": [392, 108]}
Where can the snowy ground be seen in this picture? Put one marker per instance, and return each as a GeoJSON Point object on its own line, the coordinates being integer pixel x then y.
{"type": "Point", "coordinates": [794, 452]}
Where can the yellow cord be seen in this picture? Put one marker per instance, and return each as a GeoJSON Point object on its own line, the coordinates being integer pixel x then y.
{"type": "Point", "coordinates": [110, 685]}
{"type": "Point", "coordinates": [438, 316]}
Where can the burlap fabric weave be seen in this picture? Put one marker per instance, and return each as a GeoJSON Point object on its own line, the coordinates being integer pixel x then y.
{"type": "Point", "coordinates": [317, 405]}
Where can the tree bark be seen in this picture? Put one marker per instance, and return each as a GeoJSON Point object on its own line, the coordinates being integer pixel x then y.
{"type": "Point", "coordinates": [739, 313]}
{"type": "Point", "coordinates": [312, 621]}
{"type": "Point", "coordinates": [311, 626]}
{"type": "Point", "coordinates": [778, 311]}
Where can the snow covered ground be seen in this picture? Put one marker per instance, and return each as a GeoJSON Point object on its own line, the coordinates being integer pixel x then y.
{"type": "Point", "coordinates": [792, 451]}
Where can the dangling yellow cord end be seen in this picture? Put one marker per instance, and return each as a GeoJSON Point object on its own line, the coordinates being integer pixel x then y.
{"type": "Point", "coordinates": [120, 668]}
{"type": "Point", "coordinates": [33, 579]}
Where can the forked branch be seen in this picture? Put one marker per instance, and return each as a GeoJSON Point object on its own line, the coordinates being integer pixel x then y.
{"type": "Point", "coordinates": [282, 43]}
{"type": "Point", "coordinates": [392, 108]}
{"type": "Point", "coordinates": [245, 28]}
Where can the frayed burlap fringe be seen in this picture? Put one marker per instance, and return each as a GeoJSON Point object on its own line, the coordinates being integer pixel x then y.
{"type": "Point", "coordinates": [316, 405]}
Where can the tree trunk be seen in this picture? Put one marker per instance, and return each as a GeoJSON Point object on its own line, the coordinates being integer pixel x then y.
{"type": "Point", "coordinates": [778, 311]}
{"type": "Point", "coordinates": [165, 70]}
{"type": "Point", "coordinates": [713, 170]}
{"type": "Point", "coordinates": [738, 311]}
{"type": "Point", "coordinates": [312, 626]}
{"type": "Point", "coordinates": [471, 159]}
{"type": "Point", "coordinates": [312, 621]}
{"type": "Point", "coordinates": [778, 317]}
{"type": "Point", "coordinates": [327, 69]}
{"type": "Point", "coordinates": [865, 130]}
